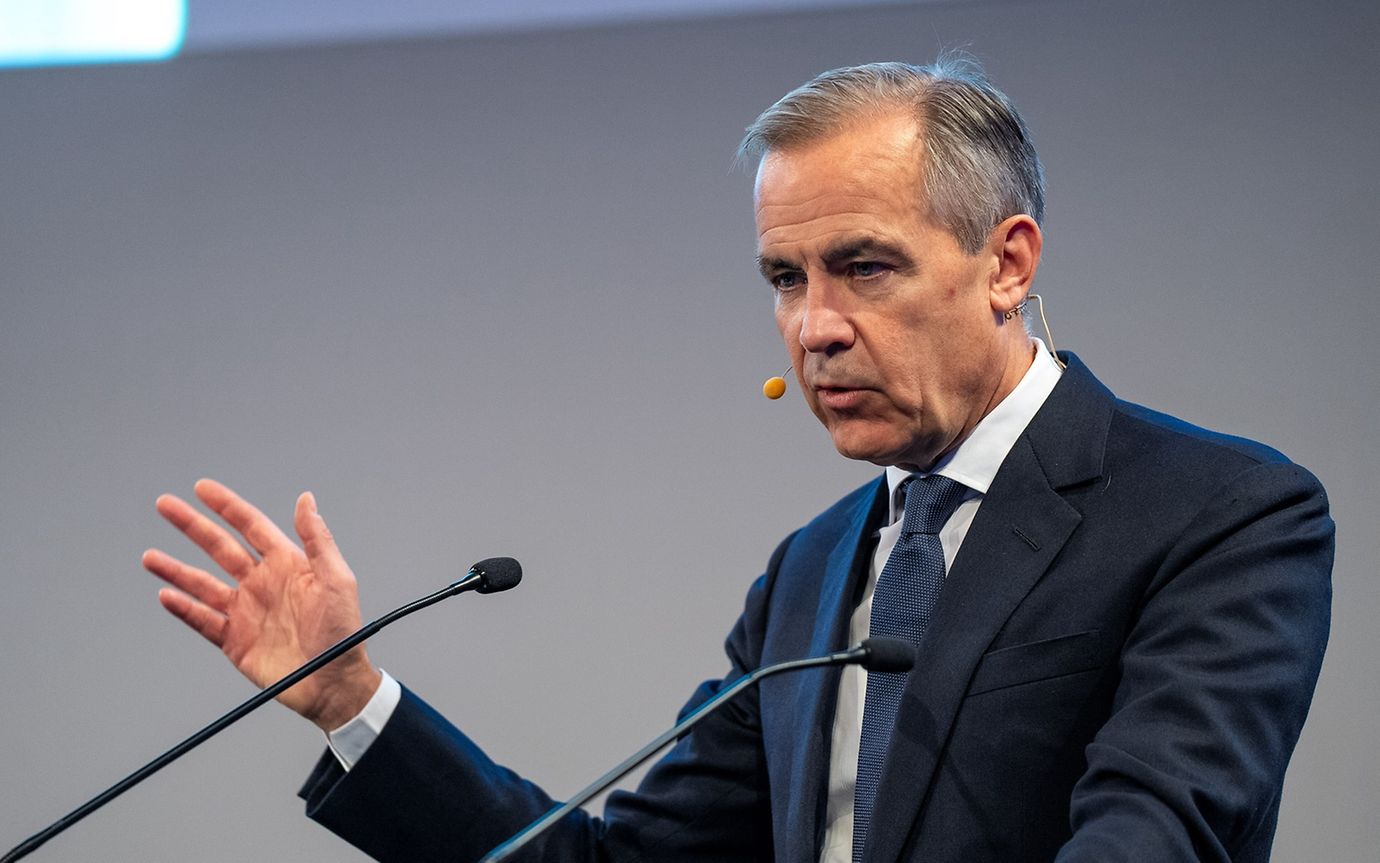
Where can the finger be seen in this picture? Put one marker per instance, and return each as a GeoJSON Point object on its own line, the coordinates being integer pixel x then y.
{"type": "Point", "coordinates": [213, 539]}
{"type": "Point", "coordinates": [243, 516]}
{"type": "Point", "coordinates": [198, 582]}
{"type": "Point", "coordinates": [210, 623]}
{"type": "Point", "coordinates": [320, 546]}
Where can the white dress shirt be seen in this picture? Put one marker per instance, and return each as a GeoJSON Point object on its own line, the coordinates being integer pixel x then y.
{"type": "Point", "coordinates": [973, 463]}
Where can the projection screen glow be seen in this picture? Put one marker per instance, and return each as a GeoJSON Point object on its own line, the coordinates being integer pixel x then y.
{"type": "Point", "coordinates": [54, 32]}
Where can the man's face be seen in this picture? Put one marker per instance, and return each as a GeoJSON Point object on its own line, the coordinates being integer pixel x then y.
{"type": "Point", "coordinates": [890, 325]}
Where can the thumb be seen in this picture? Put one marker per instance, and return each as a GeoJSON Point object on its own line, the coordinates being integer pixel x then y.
{"type": "Point", "coordinates": [320, 546]}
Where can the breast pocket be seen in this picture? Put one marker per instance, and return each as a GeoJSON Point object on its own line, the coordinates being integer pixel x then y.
{"type": "Point", "coordinates": [1039, 660]}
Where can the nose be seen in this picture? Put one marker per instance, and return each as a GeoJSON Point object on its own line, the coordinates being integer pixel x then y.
{"type": "Point", "coordinates": [824, 326]}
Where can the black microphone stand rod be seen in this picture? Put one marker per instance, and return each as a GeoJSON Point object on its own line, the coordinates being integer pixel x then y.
{"type": "Point", "coordinates": [476, 579]}
{"type": "Point", "coordinates": [890, 652]}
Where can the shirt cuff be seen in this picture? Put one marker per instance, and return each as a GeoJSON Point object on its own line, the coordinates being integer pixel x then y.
{"type": "Point", "coordinates": [350, 741]}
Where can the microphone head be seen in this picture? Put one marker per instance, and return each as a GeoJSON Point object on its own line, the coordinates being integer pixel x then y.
{"type": "Point", "coordinates": [497, 573]}
{"type": "Point", "coordinates": [774, 388]}
{"type": "Point", "coordinates": [888, 654]}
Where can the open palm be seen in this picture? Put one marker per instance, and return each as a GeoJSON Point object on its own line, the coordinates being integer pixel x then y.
{"type": "Point", "coordinates": [285, 605]}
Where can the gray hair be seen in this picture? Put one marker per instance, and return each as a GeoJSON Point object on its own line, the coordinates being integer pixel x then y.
{"type": "Point", "coordinates": [979, 164]}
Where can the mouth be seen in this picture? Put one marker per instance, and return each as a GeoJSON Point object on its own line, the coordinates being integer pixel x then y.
{"type": "Point", "coordinates": [839, 397]}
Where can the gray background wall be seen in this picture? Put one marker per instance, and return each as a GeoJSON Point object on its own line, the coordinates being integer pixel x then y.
{"type": "Point", "coordinates": [495, 295]}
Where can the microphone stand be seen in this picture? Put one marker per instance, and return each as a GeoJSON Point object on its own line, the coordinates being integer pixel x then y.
{"type": "Point", "coordinates": [474, 579]}
{"type": "Point", "coordinates": [859, 654]}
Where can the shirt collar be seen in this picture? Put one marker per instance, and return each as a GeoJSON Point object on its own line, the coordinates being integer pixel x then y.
{"type": "Point", "coordinates": [975, 461]}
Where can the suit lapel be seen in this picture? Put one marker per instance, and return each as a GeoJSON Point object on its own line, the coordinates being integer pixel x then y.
{"type": "Point", "coordinates": [816, 697]}
{"type": "Point", "coordinates": [1019, 529]}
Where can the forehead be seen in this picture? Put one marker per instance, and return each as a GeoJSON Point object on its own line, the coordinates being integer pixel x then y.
{"type": "Point", "coordinates": [869, 173]}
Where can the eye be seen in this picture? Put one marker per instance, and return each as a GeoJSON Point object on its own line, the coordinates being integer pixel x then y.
{"type": "Point", "coordinates": [787, 281]}
{"type": "Point", "coordinates": [866, 269]}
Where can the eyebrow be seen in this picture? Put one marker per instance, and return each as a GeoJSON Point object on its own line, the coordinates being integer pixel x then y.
{"type": "Point", "coordinates": [771, 266]}
{"type": "Point", "coordinates": [851, 249]}
{"type": "Point", "coordinates": [859, 249]}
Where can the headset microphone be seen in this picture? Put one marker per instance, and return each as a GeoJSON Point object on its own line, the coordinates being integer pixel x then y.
{"type": "Point", "coordinates": [775, 388]}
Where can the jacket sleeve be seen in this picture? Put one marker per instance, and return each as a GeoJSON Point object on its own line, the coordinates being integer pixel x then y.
{"type": "Point", "coordinates": [425, 792]}
{"type": "Point", "coordinates": [1217, 674]}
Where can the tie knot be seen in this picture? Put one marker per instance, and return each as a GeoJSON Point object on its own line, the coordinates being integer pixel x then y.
{"type": "Point", "coordinates": [929, 501]}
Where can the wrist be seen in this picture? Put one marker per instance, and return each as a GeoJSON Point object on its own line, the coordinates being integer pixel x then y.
{"type": "Point", "coordinates": [344, 696]}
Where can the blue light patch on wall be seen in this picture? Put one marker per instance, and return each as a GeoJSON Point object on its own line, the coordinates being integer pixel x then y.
{"type": "Point", "coordinates": [54, 32]}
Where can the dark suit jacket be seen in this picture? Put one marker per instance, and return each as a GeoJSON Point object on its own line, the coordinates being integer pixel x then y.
{"type": "Point", "coordinates": [1118, 669]}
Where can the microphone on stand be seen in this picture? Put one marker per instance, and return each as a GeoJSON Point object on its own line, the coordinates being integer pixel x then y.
{"type": "Point", "coordinates": [490, 575]}
{"type": "Point", "coordinates": [874, 654]}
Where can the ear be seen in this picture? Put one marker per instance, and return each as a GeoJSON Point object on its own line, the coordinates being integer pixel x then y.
{"type": "Point", "coordinates": [1015, 247]}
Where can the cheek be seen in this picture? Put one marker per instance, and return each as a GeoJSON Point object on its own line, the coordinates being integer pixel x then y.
{"type": "Point", "coordinates": [788, 325]}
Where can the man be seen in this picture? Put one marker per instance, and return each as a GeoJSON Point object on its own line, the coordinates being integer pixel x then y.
{"type": "Point", "coordinates": [1119, 617]}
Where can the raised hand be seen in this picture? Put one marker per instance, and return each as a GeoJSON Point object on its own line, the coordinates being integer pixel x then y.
{"type": "Point", "coordinates": [284, 606]}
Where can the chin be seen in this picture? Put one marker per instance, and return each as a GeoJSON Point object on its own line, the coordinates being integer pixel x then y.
{"type": "Point", "coordinates": [882, 450]}
{"type": "Point", "coordinates": [870, 451]}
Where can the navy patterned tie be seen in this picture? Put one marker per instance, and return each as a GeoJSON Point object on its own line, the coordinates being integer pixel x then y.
{"type": "Point", "coordinates": [901, 604]}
